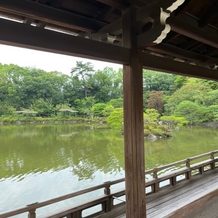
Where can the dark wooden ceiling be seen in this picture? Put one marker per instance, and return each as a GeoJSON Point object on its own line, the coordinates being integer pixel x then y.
{"type": "Point", "coordinates": [193, 38]}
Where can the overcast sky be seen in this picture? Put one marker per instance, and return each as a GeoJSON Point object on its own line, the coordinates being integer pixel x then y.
{"type": "Point", "coordinates": [45, 60]}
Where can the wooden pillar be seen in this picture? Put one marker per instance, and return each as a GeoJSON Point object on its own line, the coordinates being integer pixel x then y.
{"type": "Point", "coordinates": [133, 123]}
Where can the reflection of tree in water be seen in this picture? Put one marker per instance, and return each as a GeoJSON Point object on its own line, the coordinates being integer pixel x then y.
{"type": "Point", "coordinates": [54, 148]}
{"type": "Point", "coordinates": [94, 154]}
{"type": "Point", "coordinates": [35, 149]}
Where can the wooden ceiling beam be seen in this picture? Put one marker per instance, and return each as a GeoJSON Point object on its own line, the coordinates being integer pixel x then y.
{"type": "Point", "coordinates": [49, 15]}
{"type": "Point", "coordinates": [120, 4]}
{"type": "Point", "coordinates": [161, 64]}
{"type": "Point", "coordinates": [177, 52]}
{"type": "Point", "coordinates": [181, 8]}
{"type": "Point", "coordinates": [141, 16]}
{"type": "Point", "coordinates": [192, 32]}
{"type": "Point", "coordinates": [103, 13]}
{"type": "Point", "coordinates": [18, 34]}
{"type": "Point", "coordinates": [141, 3]}
{"type": "Point", "coordinates": [112, 28]}
{"type": "Point", "coordinates": [189, 44]}
{"type": "Point", "coordinates": [210, 13]}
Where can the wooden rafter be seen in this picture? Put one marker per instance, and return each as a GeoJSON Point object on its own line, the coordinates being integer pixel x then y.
{"type": "Point", "coordinates": [188, 45]}
{"type": "Point", "coordinates": [120, 4]}
{"type": "Point", "coordinates": [177, 52]}
{"type": "Point", "coordinates": [192, 32]}
{"type": "Point", "coordinates": [36, 38]}
{"type": "Point", "coordinates": [181, 8]}
{"type": "Point", "coordinates": [175, 67]}
{"type": "Point", "coordinates": [17, 34]}
{"type": "Point", "coordinates": [50, 15]}
{"type": "Point", "coordinates": [210, 13]}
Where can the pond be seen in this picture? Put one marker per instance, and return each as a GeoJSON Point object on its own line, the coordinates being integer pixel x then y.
{"type": "Point", "coordinates": [40, 162]}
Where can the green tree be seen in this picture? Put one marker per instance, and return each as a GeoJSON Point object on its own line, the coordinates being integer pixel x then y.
{"type": "Point", "coordinates": [173, 121]}
{"type": "Point", "coordinates": [44, 108]}
{"type": "Point", "coordinates": [83, 74]}
{"type": "Point", "coordinates": [108, 110]}
{"type": "Point", "coordinates": [116, 103]}
{"type": "Point", "coordinates": [157, 81]}
{"type": "Point", "coordinates": [180, 81]}
{"type": "Point", "coordinates": [115, 120]}
{"type": "Point", "coordinates": [151, 115]}
{"type": "Point", "coordinates": [191, 111]}
{"type": "Point", "coordinates": [84, 105]}
{"type": "Point", "coordinates": [107, 85]}
{"type": "Point", "coordinates": [97, 109]}
{"type": "Point", "coordinates": [196, 93]}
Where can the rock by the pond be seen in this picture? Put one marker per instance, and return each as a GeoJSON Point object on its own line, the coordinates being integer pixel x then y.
{"type": "Point", "coordinates": [151, 136]}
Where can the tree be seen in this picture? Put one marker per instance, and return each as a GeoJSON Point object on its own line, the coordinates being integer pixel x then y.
{"type": "Point", "coordinates": [107, 84]}
{"type": "Point", "coordinates": [151, 115]}
{"type": "Point", "coordinates": [212, 113]}
{"type": "Point", "coordinates": [191, 111]}
{"type": "Point", "coordinates": [115, 120]}
{"type": "Point", "coordinates": [156, 101]}
{"type": "Point", "coordinates": [173, 121]}
{"type": "Point", "coordinates": [97, 109]}
{"type": "Point", "coordinates": [44, 108]}
{"type": "Point", "coordinates": [83, 73]}
{"type": "Point", "coordinates": [157, 81]}
{"type": "Point", "coordinates": [116, 103]}
{"type": "Point", "coordinates": [84, 105]}
{"type": "Point", "coordinates": [196, 93]}
{"type": "Point", "coordinates": [108, 110]}
{"type": "Point", "coordinates": [180, 81]}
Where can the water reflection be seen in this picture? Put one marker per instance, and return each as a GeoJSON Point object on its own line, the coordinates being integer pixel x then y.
{"type": "Point", "coordinates": [42, 162]}
{"type": "Point", "coordinates": [28, 149]}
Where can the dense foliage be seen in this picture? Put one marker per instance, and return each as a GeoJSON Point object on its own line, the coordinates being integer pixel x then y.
{"type": "Point", "coordinates": [99, 93]}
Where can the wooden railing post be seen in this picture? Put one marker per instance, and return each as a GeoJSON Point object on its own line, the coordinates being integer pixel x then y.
{"type": "Point", "coordinates": [156, 184]}
{"type": "Point", "coordinates": [32, 213]}
{"type": "Point", "coordinates": [77, 214]}
{"type": "Point", "coordinates": [189, 173]}
{"type": "Point", "coordinates": [212, 166]}
{"type": "Point", "coordinates": [173, 181]}
{"type": "Point", "coordinates": [109, 203]}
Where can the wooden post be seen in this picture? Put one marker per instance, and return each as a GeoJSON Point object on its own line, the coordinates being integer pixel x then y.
{"type": "Point", "coordinates": [133, 122]}
{"type": "Point", "coordinates": [107, 206]}
{"type": "Point", "coordinates": [212, 166]}
{"type": "Point", "coordinates": [156, 184]}
{"type": "Point", "coordinates": [32, 213]}
{"type": "Point", "coordinates": [189, 173]}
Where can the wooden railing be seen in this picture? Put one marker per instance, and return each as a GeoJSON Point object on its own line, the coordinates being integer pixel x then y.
{"type": "Point", "coordinates": [158, 178]}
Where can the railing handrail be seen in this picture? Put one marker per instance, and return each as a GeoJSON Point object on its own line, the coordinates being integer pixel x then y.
{"type": "Point", "coordinates": [184, 161]}
{"type": "Point", "coordinates": [37, 205]}
{"type": "Point", "coordinates": [105, 185]}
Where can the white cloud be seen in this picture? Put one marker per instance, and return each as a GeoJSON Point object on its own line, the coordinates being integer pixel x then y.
{"type": "Point", "coordinates": [45, 60]}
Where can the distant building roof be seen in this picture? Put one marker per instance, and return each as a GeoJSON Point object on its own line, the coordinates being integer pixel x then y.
{"type": "Point", "coordinates": [65, 109]}
{"type": "Point", "coordinates": [26, 112]}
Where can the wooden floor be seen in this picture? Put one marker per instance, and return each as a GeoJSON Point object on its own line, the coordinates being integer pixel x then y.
{"type": "Point", "coordinates": [186, 199]}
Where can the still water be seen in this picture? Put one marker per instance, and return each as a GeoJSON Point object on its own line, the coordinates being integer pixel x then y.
{"type": "Point", "coordinates": [41, 162]}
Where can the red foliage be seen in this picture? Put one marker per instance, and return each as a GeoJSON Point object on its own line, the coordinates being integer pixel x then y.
{"type": "Point", "coordinates": [156, 101]}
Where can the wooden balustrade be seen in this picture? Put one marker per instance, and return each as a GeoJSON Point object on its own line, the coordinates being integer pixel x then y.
{"type": "Point", "coordinates": [160, 177]}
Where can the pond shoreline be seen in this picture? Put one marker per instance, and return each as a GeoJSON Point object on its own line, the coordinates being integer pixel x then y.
{"type": "Point", "coordinates": [79, 120]}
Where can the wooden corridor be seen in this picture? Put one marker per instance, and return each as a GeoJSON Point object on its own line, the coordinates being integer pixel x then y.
{"type": "Point", "coordinates": [185, 188]}
{"type": "Point", "coordinates": [190, 199]}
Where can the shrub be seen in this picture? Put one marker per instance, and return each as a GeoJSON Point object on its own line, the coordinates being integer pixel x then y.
{"type": "Point", "coordinates": [146, 132]}
{"type": "Point", "coordinates": [157, 132]}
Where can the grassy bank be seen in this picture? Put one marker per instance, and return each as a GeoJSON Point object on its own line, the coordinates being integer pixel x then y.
{"type": "Point", "coordinates": [4, 120]}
